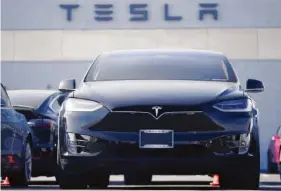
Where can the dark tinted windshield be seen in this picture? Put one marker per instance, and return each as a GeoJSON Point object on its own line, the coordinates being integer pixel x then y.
{"type": "Point", "coordinates": [160, 67]}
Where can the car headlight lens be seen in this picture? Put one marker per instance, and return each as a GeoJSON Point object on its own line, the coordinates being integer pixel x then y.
{"type": "Point", "coordinates": [241, 105]}
{"type": "Point", "coordinates": [244, 143]}
{"type": "Point", "coordinates": [70, 141]}
{"type": "Point", "coordinates": [72, 104]}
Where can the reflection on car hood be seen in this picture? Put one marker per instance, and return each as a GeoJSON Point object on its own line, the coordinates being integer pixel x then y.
{"type": "Point", "coordinates": [114, 94]}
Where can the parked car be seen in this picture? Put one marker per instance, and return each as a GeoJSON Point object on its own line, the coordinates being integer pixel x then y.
{"type": "Point", "coordinates": [40, 108]}
{"type": "Point", "coordinates": [159, 112]}
{"type": "Point", "coordinates": [274, 152]}
{"type": "Point", "coordinates": [16, 144]}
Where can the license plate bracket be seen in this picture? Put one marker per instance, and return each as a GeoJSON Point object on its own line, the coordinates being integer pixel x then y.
{"type": "Point", "coordinates": [156, 139]}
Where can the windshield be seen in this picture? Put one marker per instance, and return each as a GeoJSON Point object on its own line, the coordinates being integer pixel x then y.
{"type": "Point", "coordinates": [160, 67]}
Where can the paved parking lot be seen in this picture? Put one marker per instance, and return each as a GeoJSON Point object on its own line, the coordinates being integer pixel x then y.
{"type": "Point", "coordinates": [268, 182]}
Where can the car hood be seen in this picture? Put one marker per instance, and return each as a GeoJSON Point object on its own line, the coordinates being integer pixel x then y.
{"type": "Point", "coordinates": [113, 94]}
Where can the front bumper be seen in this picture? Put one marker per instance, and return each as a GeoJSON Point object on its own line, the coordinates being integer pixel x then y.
{"type": "Point", "coordinates": [118, 157]}
{"type": "Point", "coordinates": [156, 166]}
{"type": "Point", "coordinates": [113, 143]}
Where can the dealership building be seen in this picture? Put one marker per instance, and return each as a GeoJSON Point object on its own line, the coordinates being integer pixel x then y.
{"type": "Point", "coordinates": [46, 41]}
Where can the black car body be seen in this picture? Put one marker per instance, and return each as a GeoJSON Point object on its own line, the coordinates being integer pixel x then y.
{"type": "Point", "coordinates": [40, 108]}
{"type": "Point", "coordinates": [159, 112]}
{"type": "Point", "coordinates": [17, 141]}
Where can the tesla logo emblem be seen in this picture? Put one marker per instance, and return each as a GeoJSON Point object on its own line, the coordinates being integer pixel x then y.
{"type": "Point", "coordinates": [156, 109]}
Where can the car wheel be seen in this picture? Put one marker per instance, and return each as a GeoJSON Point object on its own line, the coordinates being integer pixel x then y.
{"type": "Point", "coordinates": [246, 179]}
{"type": "Point", "coordinates": [67, 181]}
{"type": "Point", "coordinates": [57, 173]}
{"type": "Point", "coordinates": [270, 166]}
{"type": "Point", "coordinates": [22, 178]}
{"type": "Point", "coordinates": [99, 181]}
{"type": "Point", "coordinates": [247, 176]}
{"type": "Point", "coordinates": [56, 168]}
{"type": "Point", "coordinates": [137, 179]}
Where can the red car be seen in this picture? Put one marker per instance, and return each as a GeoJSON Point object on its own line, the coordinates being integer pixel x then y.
{"type": "Point", "coordinates": [274, 152]}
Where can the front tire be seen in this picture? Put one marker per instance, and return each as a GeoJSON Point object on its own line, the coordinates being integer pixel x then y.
{"type": "Point", "coordinates": [247, 176]}
{"type": "Point", "coordinates": [137, 179]}
{"type": "Point", "coordinates": [22, 178]}
{"type": "Point", "coordinates": [271, 168]}
{"type": "Point", "coordinates": [245, 179]}
{"type": "Point", "coordinates": [99, 180]}
{"type": "Point", "coordinates": [67, 181]}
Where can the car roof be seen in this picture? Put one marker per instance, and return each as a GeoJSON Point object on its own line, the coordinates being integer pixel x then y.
{"type": "Point", "coordinates": [181, 52]}
{"type": "Point", "coordinates": [29, 98]}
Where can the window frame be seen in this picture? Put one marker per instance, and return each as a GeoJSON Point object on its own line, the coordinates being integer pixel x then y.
{"type": "Point", "coordinates": [8, 104]}
{"type": "Point", "coordinates": [54, 100]}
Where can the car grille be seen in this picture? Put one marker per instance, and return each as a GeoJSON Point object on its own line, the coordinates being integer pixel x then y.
{"type": "Point", "coordinates": [133, 122]}
{"type": "Point", "coordinates": [127, 150]}
{"type": "Point", "coordinates": [107, 148]}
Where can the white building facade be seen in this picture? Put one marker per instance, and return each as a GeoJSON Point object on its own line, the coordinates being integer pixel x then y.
{"type": "Point", "coordinates": [46, 41]}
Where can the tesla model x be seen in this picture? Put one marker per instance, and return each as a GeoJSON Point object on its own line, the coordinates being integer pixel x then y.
{"type": "Point", "coordinates": [159, 112]}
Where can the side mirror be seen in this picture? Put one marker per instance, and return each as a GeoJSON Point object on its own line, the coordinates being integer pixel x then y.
{"type": "Point", "coordinates": [67, 85]}
{"type": "Point", "coordinates": [254, 86]}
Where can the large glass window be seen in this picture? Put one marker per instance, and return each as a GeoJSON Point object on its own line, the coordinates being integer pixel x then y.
{"type": "Point", "coordinates": [160, 67]}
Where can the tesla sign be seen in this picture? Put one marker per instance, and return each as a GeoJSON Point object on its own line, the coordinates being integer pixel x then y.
{"type": "Point", "coordinates": [139, 12]}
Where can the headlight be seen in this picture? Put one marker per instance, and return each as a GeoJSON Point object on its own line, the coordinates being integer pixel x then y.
{"type": "Point", "coordinates": [241, 105]}
{"type": "Point", "coordinates": [72, 104]}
